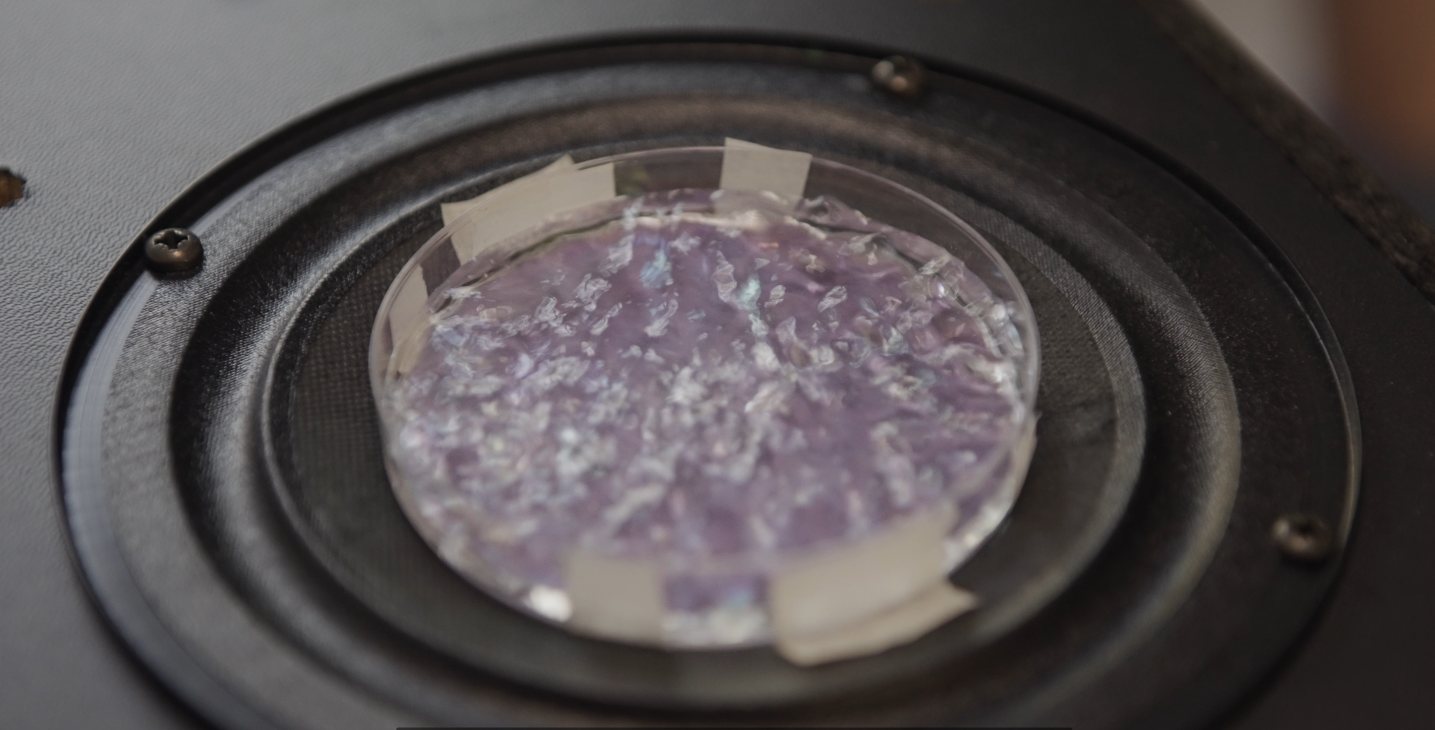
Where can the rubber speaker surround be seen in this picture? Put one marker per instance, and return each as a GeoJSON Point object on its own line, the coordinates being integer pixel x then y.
{"type": "Point", "coordinates": [227, 495]}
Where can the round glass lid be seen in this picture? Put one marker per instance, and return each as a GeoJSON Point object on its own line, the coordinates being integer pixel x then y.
{"type": "Point", "coordinates": [708, 398]}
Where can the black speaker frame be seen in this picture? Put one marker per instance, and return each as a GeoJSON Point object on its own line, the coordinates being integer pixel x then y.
{"type": "Point", "coordinates": [1213, 673]}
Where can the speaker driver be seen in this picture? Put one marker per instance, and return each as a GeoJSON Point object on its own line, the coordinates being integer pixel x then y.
{"type": "Point", "coordinates": [224, 473]}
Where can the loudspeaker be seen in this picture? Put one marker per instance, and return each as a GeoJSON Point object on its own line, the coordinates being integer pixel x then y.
{"type": "Point", "coordinates": [1222, 521]}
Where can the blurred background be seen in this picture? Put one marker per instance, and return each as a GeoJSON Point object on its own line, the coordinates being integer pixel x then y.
{"type": "Point", "coordinates": [1367, 67]}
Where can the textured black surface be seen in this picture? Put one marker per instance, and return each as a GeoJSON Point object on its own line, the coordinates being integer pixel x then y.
{"type": "Point", "coordinates": [107, 124]}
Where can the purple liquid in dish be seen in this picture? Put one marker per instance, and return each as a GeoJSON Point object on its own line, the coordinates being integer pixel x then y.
{"type": "Point", "coordinates": [701, 388]}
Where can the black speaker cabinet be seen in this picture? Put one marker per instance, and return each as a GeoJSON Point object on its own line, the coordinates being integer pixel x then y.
{"type": "Point", "coordinates": [1228, 517]}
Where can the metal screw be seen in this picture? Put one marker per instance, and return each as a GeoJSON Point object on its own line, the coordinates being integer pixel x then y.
{"type": "Point", "coordinates": [1303, 536]}
{"type": "Point", "coordinates": [900, 75]}
{"type": "Point", "coordinates": [173, 250]}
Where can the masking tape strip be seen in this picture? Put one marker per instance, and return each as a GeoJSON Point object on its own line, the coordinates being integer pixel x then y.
{"type": "Point", "coordinates": [614, 598]}
{"type": "Point", "coordinates": [514, 207]}
{"type": "Point", "coordinates": [748, 166]}
{"type": "Point", "coordinates": [896, 626]}
{"type": "Point", "coordinates": [381, 356]}
{"type": "Point", "coordinates": [451, 211]}
{"type": "Point", "coordinates": [408, 313]}
{"type": "Point", "coordinates": [524, 203]}
{"type": "Point", "coordinates": [852, 583]}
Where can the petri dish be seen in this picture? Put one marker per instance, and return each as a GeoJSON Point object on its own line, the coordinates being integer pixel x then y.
{"type": "Point", "coordinates": [705, 398]}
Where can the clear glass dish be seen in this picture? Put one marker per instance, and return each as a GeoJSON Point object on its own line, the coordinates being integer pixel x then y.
{"type": "Point", "coordinates": [705, 397]}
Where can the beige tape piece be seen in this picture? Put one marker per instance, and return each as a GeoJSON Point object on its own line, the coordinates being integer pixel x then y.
{"type": "Point", "coordinates": [408, 313]}
{"type": "Point", "coordinates": [525, 203]}
{"type": "Point", "coordinates": [379, 359]}
{"type": "Point", "coordinates": [856, 582]}
{"type": "Point", "coordinates": [452, 211]}
{"type": "Point", "coordinates": [1021, 455]}
{"type": "Point", "coordinates": [407, 352]}
{"type": "Point", "coordinates": [748, 166]}
{"type": "Point", "coordinates": [514, 207]}
{"type": "Point", "coordinates": [615, 598]}
{"type": "Point", "coordinates": [896, 626]}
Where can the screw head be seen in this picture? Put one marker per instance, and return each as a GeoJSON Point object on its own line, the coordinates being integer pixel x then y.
{"type": "Point", "coordinates": [173, 250]}
{"type": "Point", "coordinates": [900, 75]}
{"type": "Point", "coordinates": [1303, 536]}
